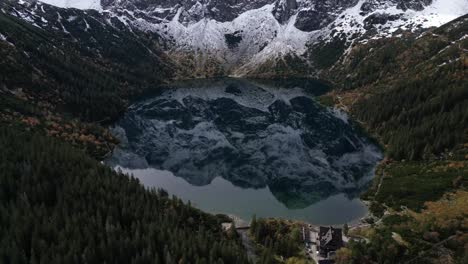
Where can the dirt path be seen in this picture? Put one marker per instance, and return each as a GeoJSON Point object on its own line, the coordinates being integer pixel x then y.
{"type": "Point", "coordinates": [434, 247]}
{"type": "Point", "coordinates": [380, 183]}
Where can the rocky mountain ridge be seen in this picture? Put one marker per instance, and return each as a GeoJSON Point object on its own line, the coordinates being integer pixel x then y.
{"type": "Point", "coordinates": [266, 38]}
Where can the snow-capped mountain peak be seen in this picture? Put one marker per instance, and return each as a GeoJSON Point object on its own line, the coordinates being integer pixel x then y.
{"type": "Point", "coordinates": [239, 37]}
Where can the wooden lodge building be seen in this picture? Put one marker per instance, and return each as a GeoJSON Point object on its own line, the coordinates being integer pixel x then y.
{"type": "Point", "coordinates": [329, 241]}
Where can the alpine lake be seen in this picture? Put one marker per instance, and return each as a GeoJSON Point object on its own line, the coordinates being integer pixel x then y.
{"type": "Point", "coordinates": [245, 147]}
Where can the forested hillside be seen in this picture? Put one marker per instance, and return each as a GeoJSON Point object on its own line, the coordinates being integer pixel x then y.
{"type": "Point", "coordinates": [411, 93]}
{"type": "Point", "coordinates": [67, 71]}
{"type": "Point", "coordinates": [278, 239]}
{"type": "Point", "coordinates": [75, 61]}
{"type": "Point", "coordinates": [414, 91]}
{"type": "Point", "coordinates": [59, 206]}
{"type": "Point", "coordinates": [59, 82]}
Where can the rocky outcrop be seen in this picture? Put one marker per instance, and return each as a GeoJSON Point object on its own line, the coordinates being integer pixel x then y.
{"type": "Point", "coordinates": [321, 14]}
{"type": "Point", "coordinates": [378, 19]}
{"type": "Point", "coordinates": [404, 5]}
{"type": "Point", "coordinates": [417, 5]}
{"type": "Point", "coordinates": [191, 10]}
{"type": "Point", "coordinates": [284, 9]}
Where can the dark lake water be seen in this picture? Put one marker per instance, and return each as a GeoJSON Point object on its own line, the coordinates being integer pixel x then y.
{"type": "Point", "coordinates": [243, 147]}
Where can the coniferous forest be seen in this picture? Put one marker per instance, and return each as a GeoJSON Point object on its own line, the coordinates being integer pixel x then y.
{"type": "Point", "coordinates": [278, 238]}
{"type": "Point", "coordinates": [60, 206]}
{"type": "Point", "coordinates": [412, 92]}
{"type": "Point", "coordinates": [59, 91]}
{"type": "Point", "coordinates": [57, 203]}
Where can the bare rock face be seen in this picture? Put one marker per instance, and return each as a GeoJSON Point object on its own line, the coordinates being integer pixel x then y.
{"type": "Point", "coordinates": [378, 19]}
{"type": "Point", "coordinates": [310, 20]}
{"type": "Point", "coordinates": [284, 9]}
{"type": "Point", "coordinates": [311, 14]}
{"type": "Point", "coordinates": [266, 38]}
{"type": "Point", "coordinates": [372, 5]}
{"type": "Point", "coordinates": [219, 10]}
{"type": "Point", "coordinates": [417, 5]}
{"type": "Point", "coordinates": [320, 13]}
{"type": "Point", "coordinates": [191, 10]}
{"type": "Point", "coordinates": [309, 11]}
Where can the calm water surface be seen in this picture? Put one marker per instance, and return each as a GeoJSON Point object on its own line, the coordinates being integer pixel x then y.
{"type": "Point", "coordinates": [243, 148]}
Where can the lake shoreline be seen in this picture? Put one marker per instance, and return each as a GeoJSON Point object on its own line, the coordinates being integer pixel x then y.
{"type": "Point", "coordinates": [239, 220]}
{"type": "Point", "coordinates": [249, 149]}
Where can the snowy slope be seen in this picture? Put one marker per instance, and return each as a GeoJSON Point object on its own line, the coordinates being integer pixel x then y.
{"type": "Point", "coordinates": [264, 38]}
{"type": "Point", "coordinates": [387, 19]}
{"type": "Point", "coordinates": [260, 37]}
{"type": "Point", "coordinates": [238, 37]}
{"type": "Point", "coordinates": [80, 4]}
{"type": "Point", "coordinates": [440, 12]}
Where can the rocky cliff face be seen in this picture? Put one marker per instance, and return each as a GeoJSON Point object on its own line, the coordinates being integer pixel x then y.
{"type": "Point", "coordinates": [268, 38]}
{"type": "Point", "coordinates": [192, 11]}
{"type": "Point", "coordinates": [312, 14]}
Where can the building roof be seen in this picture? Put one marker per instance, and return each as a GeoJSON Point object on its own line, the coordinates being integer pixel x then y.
{"type": "Point", "coordinates": [329, 236]}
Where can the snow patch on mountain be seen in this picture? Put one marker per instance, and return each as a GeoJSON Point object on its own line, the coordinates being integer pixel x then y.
{"type": "Point", "coordinates": [241, 38]}
{"type": "Point", "coordinates": [257, 34]}
{"type": "Point", "coordinates": [80, 4]}
{"type": "Point", "coordinates": [388, 18]}
{"type": "Point", "coordinates": [441, 12]}
{"type": "Point", "coordinates": [263, 38]}
{"type": "Point", "coordinates": [288, 40]}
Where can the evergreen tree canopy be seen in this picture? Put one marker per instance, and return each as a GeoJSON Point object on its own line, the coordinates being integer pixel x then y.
{"type": "Point", "coordinates": [59, 206]}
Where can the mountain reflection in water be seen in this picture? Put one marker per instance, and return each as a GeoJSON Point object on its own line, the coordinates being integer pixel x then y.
{"type": "Point", "coordinates": [271, 137]}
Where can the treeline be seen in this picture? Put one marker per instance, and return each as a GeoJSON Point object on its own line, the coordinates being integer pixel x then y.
{"type": "Point", "coordinates": [59, 206]}
{"type": "Point", "coordinates": [277, 237]}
